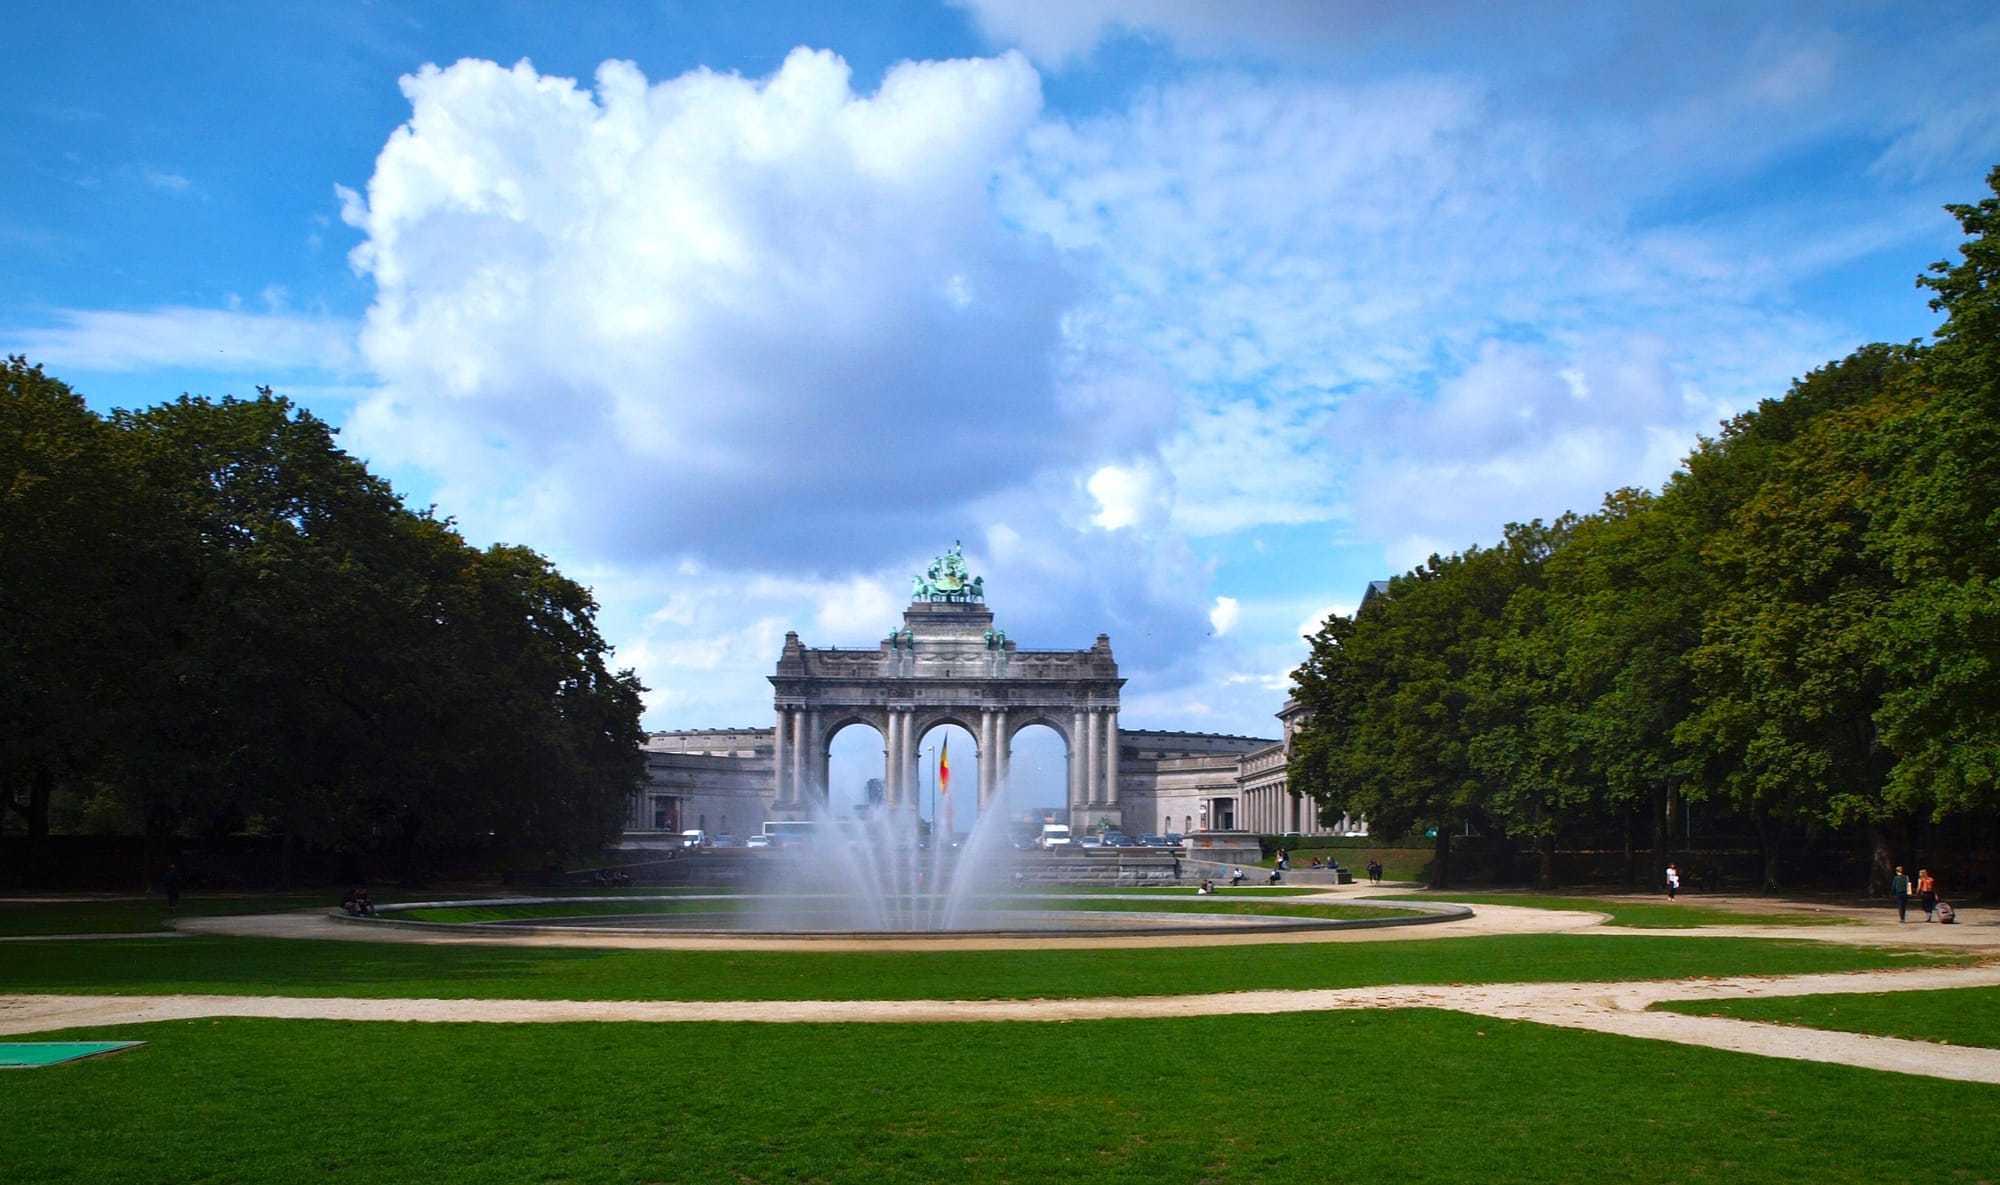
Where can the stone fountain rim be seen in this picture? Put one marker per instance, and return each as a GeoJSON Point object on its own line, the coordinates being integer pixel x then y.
{"type": "Point", "coordinates": [1243, 925]}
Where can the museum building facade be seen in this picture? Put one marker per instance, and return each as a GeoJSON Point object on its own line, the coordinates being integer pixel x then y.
{"type": "Point", "coordinates": [947, 665]}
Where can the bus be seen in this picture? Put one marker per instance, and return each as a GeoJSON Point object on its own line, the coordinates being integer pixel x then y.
{"type": "Point", "coordinates": [784, 832]}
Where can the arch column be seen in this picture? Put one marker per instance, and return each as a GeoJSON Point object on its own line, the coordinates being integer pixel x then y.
{"type": "Point", "coordinates": [913, 786]}
{"type": "Point", "coordinates": [987, 728]}
{"type": "Point", "coordinates": [1003, 755]}
{"type": "Point", "coordinates": [780, 775]}
{"type": "Point", "coordinates": [817, 774]}
{"type": "Point", "coordinates": [1078, 744]}
{"type": "Point", "coordinates": [1093, 749]}
{"type": "Point", "coordinates": [1001, 747]}
{"type": "Point", "coordinates": [1111, 756]}
{"type": "Point", "coordinates": [892, 731]}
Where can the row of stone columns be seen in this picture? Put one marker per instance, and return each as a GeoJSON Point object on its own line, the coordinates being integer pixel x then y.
{"type": "Point", "coordinates": [1093, 760]}
{"type": "Point", "coordinates": [1274, 810]}
{"type": "Point", "coordinates": [798, 755]}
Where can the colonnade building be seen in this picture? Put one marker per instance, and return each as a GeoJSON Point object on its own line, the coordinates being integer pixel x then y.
{"type": "Point", "coordinates": [947, 665]}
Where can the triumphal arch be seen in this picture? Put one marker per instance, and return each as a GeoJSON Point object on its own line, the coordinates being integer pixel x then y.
{"type": "Point", "coordinates": [947, 664]}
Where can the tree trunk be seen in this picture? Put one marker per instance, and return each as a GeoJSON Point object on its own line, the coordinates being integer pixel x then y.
{"type": "Point", "coordinates": [1441, 857]}
{"type": "Point", "coordinates": [41, 788]}
{"type": "Point", "coordinates": [1545, 851]}
{"type": "Point", "coordinates": [1885, 835]}
{"type": "Point", "coordinates": [1660, 812]}
{"type": "Point", "coordinates": [1631, 846]}
{"type": "Point", "coordinates": [1767, 839]}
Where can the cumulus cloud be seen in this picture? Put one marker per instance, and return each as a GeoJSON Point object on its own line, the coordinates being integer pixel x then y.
{"type": "Point", "coordinates": [756, 320]}
{"type": "Point", "coordinates": [1131, 495]}
{"type": "Point", "coordinates": [1222, 618]}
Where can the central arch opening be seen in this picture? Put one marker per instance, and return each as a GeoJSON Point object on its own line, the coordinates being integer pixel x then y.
{"type": "Point", "coordinates": [948, 781]}
{"type": "Point", "coordinates": [1038, 787]}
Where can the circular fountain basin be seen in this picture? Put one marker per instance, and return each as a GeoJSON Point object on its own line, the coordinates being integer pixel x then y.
{"type": "Point", "coordinates": [759, 915]}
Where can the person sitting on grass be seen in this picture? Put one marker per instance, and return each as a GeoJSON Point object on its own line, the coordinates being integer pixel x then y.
{"type": "Point", "coordinates": [1207, 887]}
{"type": "Point", "coordinates": [364, 906]}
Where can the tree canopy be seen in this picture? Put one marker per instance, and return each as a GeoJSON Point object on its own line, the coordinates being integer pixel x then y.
{"type": "Point", "coordinates": [1801, 630]}
{"type": "Point", "coordinates": [216, 621]}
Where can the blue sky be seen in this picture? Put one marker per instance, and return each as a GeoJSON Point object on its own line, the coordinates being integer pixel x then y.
{"type": "Point", "coordinates": [1189, 318]}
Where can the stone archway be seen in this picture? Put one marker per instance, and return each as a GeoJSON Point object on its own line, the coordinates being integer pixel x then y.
{"type": "Point", "coordinates": [946, 664]}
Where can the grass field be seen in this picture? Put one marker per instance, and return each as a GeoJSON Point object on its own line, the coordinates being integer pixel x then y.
{"type": "Point", "coordinates": [458, 971]}
{"type": "Point", "coordinates": [1403, 1098]}
{"type": "Point", "coordinates": [1958, 1016]}
{"type": "Point", "coordinates": [1648, 915]}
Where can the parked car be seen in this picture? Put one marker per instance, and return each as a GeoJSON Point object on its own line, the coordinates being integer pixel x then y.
{"type": "Point", "coordinates": [757, 841]}
{"type": "Point", "coordinates": [1118, 839]}
{"type": "Point", "coordinates": [1089, 843]}
{"type": "Point", "coordinates": [726, 840]}
{"type": "Point", "coordinates": [1155, 841]}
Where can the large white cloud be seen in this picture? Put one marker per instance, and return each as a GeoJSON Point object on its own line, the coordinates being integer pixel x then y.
{"type": "Point", "coordinates": [748, 320]}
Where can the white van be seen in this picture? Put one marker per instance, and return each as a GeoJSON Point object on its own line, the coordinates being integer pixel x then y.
{"type": "Point", "coordinates": [1054, 835]}
{"type": "Point", "coordinates": [694, 838]}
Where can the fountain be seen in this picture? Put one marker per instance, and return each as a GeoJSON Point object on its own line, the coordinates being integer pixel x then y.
{"type": "Point", "coordinates": [871, 878]}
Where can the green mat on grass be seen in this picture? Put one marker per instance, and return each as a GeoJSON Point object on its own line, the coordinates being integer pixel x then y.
{"type": "Point", "coordinates": [15, 1055]}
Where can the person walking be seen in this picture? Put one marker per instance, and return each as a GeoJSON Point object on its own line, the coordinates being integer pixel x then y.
{"type": "Point", "coordinates": [1927, 894]}
{"type": "Point", "coordinates": [172, 884]}
{"type": "Point", "coordinates": [1900, 886]}
{"type": "Point", "coordinates": [1673, 882]}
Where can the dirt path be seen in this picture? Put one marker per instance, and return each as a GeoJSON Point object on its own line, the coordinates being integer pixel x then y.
{"type": "Point", "coordinates": [1618, 1008]}
{"type": "Point", "coordinates": [1601, 1007]}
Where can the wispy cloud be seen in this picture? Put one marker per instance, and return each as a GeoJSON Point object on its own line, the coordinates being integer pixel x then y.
{"type": "Point", "coordinates": [221, 340]}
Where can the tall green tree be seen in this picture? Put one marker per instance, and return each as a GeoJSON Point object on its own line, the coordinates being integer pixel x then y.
{"type": "Point", "coordinates": [1788, 668]}
{"type": "Point", "coordinates": [1937, 528]}
{"type": "Point", "coordinates": [1399, 696]}
{"type": "Point", "coordinates": [74, 578]}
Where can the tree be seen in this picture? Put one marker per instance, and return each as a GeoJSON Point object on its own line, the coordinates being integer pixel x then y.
{"type": "Point", "coordinates": [1393, 694]}
{"type": "Point", "coordinates": [1937, 528]}
{"type": "Point", "coordinates": [73, 557]}
{"type": "Point", "coordinates": [1626, 595]}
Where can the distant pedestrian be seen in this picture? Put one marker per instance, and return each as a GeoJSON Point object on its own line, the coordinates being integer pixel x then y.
{"type": "Point", "coordinates": [1900, 886]}
{"type": "Point", "coordinates": [172, 883]}
{"type": "Point", "coordinates": [1673, 882]}
{"type": "Point", "coordinates": [1927, 894]}
{"type": "Point", "coordinates": [1374, 871]}
{"type": "Point", "coordinates": [1284, 860]}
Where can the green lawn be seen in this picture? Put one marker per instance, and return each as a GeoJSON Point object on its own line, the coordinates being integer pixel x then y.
{"type": "Point", "coordinates": [1956, 1016]}
{"type": "Point", "coordinates": [1401, 1098]}
{"type": "Point", "coordinates": [327, 968]}
{"type": "Point", "coordinates": [1645, 915]}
